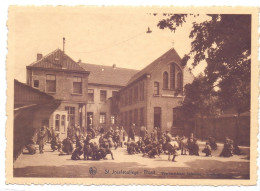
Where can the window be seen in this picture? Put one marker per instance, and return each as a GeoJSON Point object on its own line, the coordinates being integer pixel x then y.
{"type": "Point", "coordinates": [130, 96]}
{"type": "Point", "coordinates": [103, 96]}
{"type": "Point", "coordinates": [130, 118]}
{"type": "Point", "coordinates": [141, 86]}
{"type": "Point", "coordinates": [135, 93]}
{"type": "Point", "coordinates": [141, 116]}
{"type": "Point", "coordinates": [71, 115]}
{"type": "Point", "coordinates": [63, 118]}
{"type": "Point", "coordinates": [122, 99]}
{"type": "Point", "coordinates": [126, 118]}
{"type": "Point", "coordinates": [57, 122]}
{"type": "Point", "coordinates": [114, 93]}
{"type": "Point", "coordinates": [136, 117]}
{"type": "Point", "coordinates": [90, 95]}
{"type": "Point", "coordinates": [126, 98]}
{"type": "Point", "coordinates": [179, 81]}
{"type": "Point", "coordinates": [112, 119]}
{"type": "Point", "coordinates": [77, 85]}
{"type": "Point", "coordinates": [156, 88]}
{"type": "Point", "coordinates": [172, 76]}
{"type": "Point", "coordinates": [36, 83]}
{"type": "Point", "coordinates": [165, 80]}
{"type": "Point", "coordinates": [50, 83]}
{"type": "Point", "coordinates": [102, 118]}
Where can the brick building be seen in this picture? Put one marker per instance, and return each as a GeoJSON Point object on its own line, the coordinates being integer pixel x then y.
{"type": "Point", "coordinates": [95, 95]}
{"type": "Point", "coordinates": [59, 76]}
{"type": "Point", "coordinates": [103, 83]}
{"type": "Point", "coordinates": [152, 96]}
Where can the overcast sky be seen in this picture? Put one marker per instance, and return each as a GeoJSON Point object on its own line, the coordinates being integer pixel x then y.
{"type": "Point", "coordinates": [96, 35]}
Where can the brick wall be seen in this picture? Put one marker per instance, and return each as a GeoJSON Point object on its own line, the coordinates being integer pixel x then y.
{"type": "Point", "coordinates": [64, 84]}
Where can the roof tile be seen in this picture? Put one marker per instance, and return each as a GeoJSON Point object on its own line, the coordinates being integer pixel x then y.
{"type": "Point", "coordinates": [57, 60]}
{"type": "Point", "coordinates": [108, 75]}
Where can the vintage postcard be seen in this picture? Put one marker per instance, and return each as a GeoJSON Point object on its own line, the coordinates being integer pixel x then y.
{"type": "Point", "coordinates": [132, 95]}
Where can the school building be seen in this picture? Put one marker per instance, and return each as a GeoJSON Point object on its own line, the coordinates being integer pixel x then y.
{"type": "Point", "coordinates": [56, 74]}
{"type": "Point", "coordinates": [152, 96]}
{"type": "Point", "coordinates": [104, 82]}
{"type": "Point", "coordinates": [102, 96]}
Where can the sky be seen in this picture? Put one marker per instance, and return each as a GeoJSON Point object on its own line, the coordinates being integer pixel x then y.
{"type": "Point", "coordinates": [103, 36]}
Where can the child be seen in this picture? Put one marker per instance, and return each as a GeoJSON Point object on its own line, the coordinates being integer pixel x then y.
{"type": "Point", "coordinates": [207, 150]}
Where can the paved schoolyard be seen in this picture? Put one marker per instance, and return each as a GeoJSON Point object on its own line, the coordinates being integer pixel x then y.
{"type": "Point", "coordinates": [50, 164]}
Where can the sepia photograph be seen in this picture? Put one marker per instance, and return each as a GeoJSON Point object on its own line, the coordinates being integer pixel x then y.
{"type": "Point", "coordinates": [132, 94]}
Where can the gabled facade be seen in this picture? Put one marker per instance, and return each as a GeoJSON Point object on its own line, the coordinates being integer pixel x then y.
{"type": "Point", "coordinates": [59, 76]}
{"type": "Point", "coordinates": [152, 96]}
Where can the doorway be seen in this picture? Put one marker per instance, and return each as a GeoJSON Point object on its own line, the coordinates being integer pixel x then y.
{"type": "Point", "coordinates": [157, 117]}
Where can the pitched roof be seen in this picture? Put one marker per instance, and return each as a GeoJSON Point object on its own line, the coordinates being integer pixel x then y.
{"type": "Point", "coordinates": [170, 55]}
{"type": "Point", "coordinates": [21, 92]}
{"type": "Point", "coordinates": [57, 60]}
{"type": "Point", "coordinates": [108, 75]}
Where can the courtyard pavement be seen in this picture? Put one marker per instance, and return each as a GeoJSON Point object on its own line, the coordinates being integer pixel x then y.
{"type": "Point", "coordinates": [50, 164]}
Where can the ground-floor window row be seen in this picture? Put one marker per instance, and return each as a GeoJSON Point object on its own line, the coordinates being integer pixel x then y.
{"type": "Point", "coordinates": [137, 117]}
{"type": "Point", "coordinates": [103, 120]}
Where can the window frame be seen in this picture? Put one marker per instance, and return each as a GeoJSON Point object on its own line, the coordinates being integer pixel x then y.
{"type": "Point", "coordinates": [165, 80]}
{"type": "Point", "coordinates": [100, 97]}
{"type": "Point", "coordinates": [38, 83]}
{"type": "Point", "coordinates": [57, 121]}
{"type": "Point", "coordinates": [156, 88]}
{"type": "Point", "coordinates": [55, 81]}
{"type": "Point", "coordinates": [91, 101]}
{"type": "Point", "coordinates": [102, 120]}
{"type": "Point", "coordinates": [77, 80]}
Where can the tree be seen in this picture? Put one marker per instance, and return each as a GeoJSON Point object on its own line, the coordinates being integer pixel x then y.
{"type": "Point", "coordinates": [224, 42]}
{"type": "Point", "coordinates": [199, 100]}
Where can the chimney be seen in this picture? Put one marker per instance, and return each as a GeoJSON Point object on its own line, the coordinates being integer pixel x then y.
{"type": "Point", "coordinates": [63, 44]}
{"type": "Point", "coordinates": [39, 56]}
{"type": "Point", "coordinates": [114, 66]}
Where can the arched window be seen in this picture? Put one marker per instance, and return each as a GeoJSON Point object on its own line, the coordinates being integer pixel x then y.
{"type": "Point", "coordinates": [179, 81]}
{"type": "Point", "coordinates": [57, 122]}
{"type": "Point", "coordinates": [172, 76]}
{"type": "Point", "coordinates": [63, 117]}
{"type": "Point", "coordinates": [165, 80]}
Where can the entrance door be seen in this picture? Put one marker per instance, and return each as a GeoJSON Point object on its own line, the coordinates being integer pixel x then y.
{"type": "Point", "coordinates": [157, 117]}
{"type": "Point", "coordinates": [89, 120]}
{"type": "Point", "coordinates": [60, 123]}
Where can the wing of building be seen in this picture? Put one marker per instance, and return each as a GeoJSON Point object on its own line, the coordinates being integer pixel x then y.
{"type": "Point", "coordinates": [60, 76]}
{"type": "Point", "coordinates": [152, 96]}
{"type": "Point", "coordinates": [104, 82]}
{"type": "Point", "coordinates": [102, 96]}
